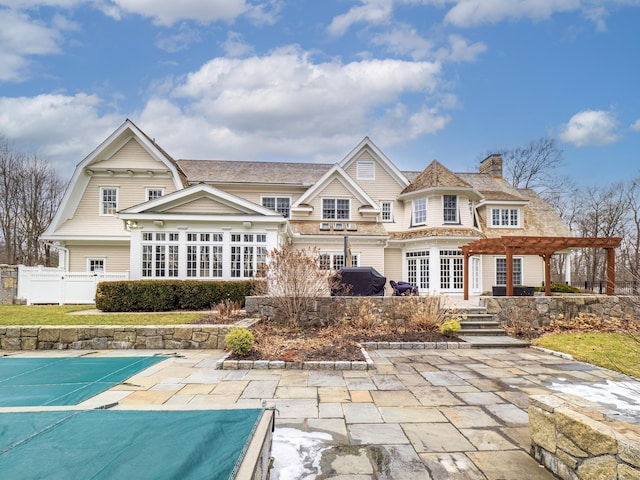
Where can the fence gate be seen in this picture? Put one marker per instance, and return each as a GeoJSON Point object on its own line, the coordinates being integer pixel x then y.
{"type": "Point", "coordinates": [54, 285]}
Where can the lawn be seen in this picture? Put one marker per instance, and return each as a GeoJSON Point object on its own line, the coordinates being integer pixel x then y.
{"type": "Point", "coordinates": [60, 315]}
{"type": "Point", "coordinates": [615, 351]}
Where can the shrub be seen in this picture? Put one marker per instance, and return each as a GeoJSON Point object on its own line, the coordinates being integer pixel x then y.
{"type": "Point", "coordinates": [425, 313]}
{"type": "Point", "coordinates": [361, 313]}
{"type": "Point", "coordinates": [450, 327]}
{"type": "Point", "coordinates": [168, 295]}
{"type": "Point", "coordinates": [559, 288]}
{"type": "Point", "coordinates": [239, 341]}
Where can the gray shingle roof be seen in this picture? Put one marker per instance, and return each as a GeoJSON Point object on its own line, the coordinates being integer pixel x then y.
{"type": "Point", "coordinates": [277, 173]}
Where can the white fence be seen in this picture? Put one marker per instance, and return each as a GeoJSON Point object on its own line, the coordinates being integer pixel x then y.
{"type": "Point", "coordinates": [54, 285]}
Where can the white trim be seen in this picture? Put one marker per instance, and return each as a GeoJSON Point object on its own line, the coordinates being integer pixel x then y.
{"type": "Point", "coordinates": [147, 190]}
{"type": "Point", "coordinates": [376, 153]}
{"type": "Point", "coordinates": [97, 259]}
{"type": "Point", "coordinates": [382, 212]}
{"type": "Point", "coordinates": [336, 173]}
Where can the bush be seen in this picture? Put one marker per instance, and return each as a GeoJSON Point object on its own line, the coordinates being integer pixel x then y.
{"type": "Point", "coordinates": [169, 295]}
{"type": "Point", "coordinates": [560, 288]}
{"type": "Point", "coordinates": [450, 328]}
{"type": "Point", "coordinates": [239, 341]}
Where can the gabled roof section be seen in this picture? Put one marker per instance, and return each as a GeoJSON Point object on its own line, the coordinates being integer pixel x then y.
{"type": "Point", "coordinates": [114, 142]}
{"type": "Point", "coordinates": [436, 175]}
{"type": "Point", "coordinates": [376, 153]}
{"type": "Point", "coordinates": [197, 192]}
{"type": "Point", "coordinates": [336, 173]}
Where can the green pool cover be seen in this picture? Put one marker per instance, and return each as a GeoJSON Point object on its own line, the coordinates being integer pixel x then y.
{"type": "Point", "coordinates": [109, 444]}
{"type": "Point", "coordinates": [26, 382]}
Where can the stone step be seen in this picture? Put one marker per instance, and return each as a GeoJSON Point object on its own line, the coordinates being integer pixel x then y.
{"type": "Point", "coordinates": [493, 342]}
{"type": "Point", "coordinates": [490, 332]}
{"type": "Point", "coordinates": [480, 324]}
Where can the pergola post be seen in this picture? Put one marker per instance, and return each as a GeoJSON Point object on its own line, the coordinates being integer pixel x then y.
{"type": "Point", "coordinates": [611, 271]}
{"type": "Point", "coordinates": [509, 253]}
{"type": "Point", "coordinates": [547, 273]}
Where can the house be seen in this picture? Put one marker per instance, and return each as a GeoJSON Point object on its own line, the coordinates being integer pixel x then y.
{"type": "Point", "coordinates": [131, 207]}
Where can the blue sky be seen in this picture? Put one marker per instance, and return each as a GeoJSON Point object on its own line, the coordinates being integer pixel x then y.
{"type": "Point", "coordinates": [306, 80]}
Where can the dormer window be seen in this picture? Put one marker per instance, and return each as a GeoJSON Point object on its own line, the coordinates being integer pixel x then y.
{"type": "Point", "coordinates": [336, 208]}
{"type": "Point", "coordinates": [420, 211]}
{"type": "Point", "coordinates": [505, 217]}
{"type": "Point", "coordinates": [450, 208]}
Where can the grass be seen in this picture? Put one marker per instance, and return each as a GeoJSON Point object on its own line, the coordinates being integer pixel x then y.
{"type": "Point", "coordinates": [615, 351]}
{"type": "Point", "coordinates": [59, 315]}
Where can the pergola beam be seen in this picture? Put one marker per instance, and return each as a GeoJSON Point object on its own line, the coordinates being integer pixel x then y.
{"type": "Point", "coordinates": [542, 246]}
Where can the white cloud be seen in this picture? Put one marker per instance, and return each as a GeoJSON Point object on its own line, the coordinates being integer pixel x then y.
{"type": "Point", "coordinates": [181, 40]}
{"type": "Point", "coordinates": [235, 46]}
{"type": "Point", "coordinates": [285, 104]}
{"type": "Point", "coordinates": [169, 12]}
{"type": "Point", "coordinates": [371, 11]}
{"type": "Point", "coordinates": [468, 13]}
{"type": "Point", "coordinates": [635, 126]}
{"type": "Point", "coordinates": [460, 50]}
{"type": "Point", "coordinates": [50, 125]}
{"type": "Point", "coordinates": [20, 38]}
{"type": "Point", "coordinates": [589, 128]}
{"type": "Point", "coordinates": [403, 39]}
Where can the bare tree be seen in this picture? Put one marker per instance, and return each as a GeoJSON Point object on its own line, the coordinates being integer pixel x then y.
{"type": "Point", "coordinates": [30, 191]}
{"type": "Point", "coordinates": [602, 213]}
{"type": "Point", "coordinates": [535, 166]}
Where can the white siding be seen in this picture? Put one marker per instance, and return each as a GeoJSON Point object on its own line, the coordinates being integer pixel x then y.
{"type": "Point", "coordinates": [204, 205]}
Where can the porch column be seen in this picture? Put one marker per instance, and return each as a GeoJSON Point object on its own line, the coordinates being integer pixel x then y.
{"type": "Point", "coordinates": [509, 254]}
{"type": "Point", "coordinates": [611, 271]}
{"type": "Point", "coordinates": [465, 275]}
{"type": "Point", "coordinates": [567, 268]}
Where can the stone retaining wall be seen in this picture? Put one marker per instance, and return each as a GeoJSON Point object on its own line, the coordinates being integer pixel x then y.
{"type": "Point", "coordinates": [114, 337]}
{"type": "Point", "coordinates": [540, 310]}
{"type": "Point", "coordinates": [326, 310]}
{"type": "Point", "coordinates": [577, 442]}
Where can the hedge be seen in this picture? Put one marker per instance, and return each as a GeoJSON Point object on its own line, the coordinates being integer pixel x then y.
{"type": "Point", "coordinates": [169, 295]}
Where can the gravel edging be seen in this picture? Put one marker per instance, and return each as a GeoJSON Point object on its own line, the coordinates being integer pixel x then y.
{"type": "Point", "coordinates": [367, 364]}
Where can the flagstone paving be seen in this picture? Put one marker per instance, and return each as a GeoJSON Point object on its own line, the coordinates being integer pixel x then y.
{"type": "Point", "coordinates": [418, 414]}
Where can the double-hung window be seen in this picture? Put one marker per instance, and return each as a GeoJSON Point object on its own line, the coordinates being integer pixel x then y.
{"type": "Point", "coordinates": [420, 211]}
{"type": "Point", "coordinates": [108, 200]}
{"type": "Point", "coordinates": [282, 205]}
{"type": "Point", "coordinates": [505, 217]}
{"type": "Point", "coordinates": [336, 208]}
{"type": "Point", "coordinates": [386, 211]}
{"type": "Point", "coordinates": [501, 271]}
{"type": "Point", "coordinates": [450, 208]}
{"type": "Point", "coordinates": [328, 261]}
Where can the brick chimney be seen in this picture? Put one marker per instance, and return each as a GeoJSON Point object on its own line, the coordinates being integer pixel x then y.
{"type": "Point", "coordinates": [492, 165]}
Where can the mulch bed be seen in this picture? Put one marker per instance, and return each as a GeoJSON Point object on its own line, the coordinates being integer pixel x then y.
{"type": "Point", "coordinates": [332, 343]}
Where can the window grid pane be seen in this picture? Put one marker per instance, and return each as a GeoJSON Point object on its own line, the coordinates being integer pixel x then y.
{"type": "Point", "coordinates": [450, 208]}
{"type": "Point", "coordinates": [109, 201]}
{"type": "Point", "coordinates": [420, 211]}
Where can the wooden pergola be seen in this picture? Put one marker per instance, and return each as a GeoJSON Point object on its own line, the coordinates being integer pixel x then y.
{"type": "Point", "coordinates": [542, 246]}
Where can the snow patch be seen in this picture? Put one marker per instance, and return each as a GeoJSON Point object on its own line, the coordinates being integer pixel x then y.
{"type": "Point", "coordinates": [297, 454]}
{"type": "Point", "coordinates": [622, 395]}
